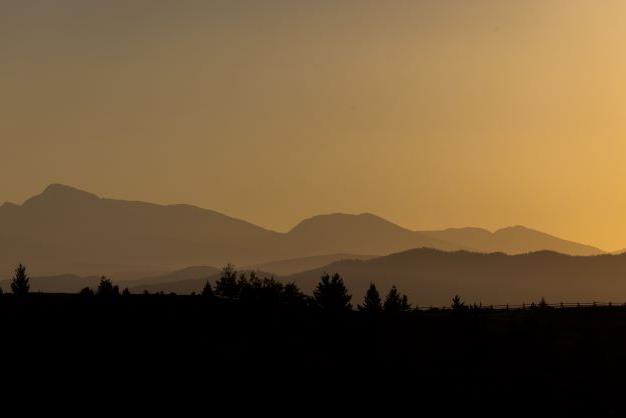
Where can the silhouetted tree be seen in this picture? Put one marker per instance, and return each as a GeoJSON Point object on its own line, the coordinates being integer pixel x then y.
{"type": "Point", "coordinates": [543, 304]}
{"type": "Point", "coordinates": [396, 302]}
{"type": "Point", "coordinates": [266, 292]}
{"type": "Point", "coordinates": [405, 306]}
{"type": "Point", "coordinates": [207, 290]}
{"type": "Point", "coordinates": [292, 295]}
{"type": "Point", "coordinates": [271, 292]}
{"type": "Point", "coordinates": [372, 302]}
{"type": "Point", "coordinates": [227, 285]}
{"type": "Point", "coordinates": [249, 289]}
{"type": "Point", "coordinates": [457, 304]}
{"type": "Point", "coordinates": [86, 292]}
{"type": "Point", "coordinates": [20, 285]}
{"type": "Point", "coordinates": [106, 288]}
{"type": "Point", "coordinates": [242, 282]}
{"type": "Point", "coordinates": [331, 294]}
{"type": "Point", "coordinates": [126, 292]}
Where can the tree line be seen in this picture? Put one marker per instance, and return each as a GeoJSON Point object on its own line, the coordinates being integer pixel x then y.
{"type": "Point", "coordinates": [330, 295]}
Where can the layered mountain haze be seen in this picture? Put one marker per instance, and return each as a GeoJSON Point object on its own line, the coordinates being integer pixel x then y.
{"type": "Point", "coordinates": [62, 283]}
{"type": "Point", "coordinates": [70, 283]}
{"type": "Point", "coordinates": [511, 240]}
{"type": "Point", "coordinates": [296, 265]}
{"type": "Point", "coordinates": [189, 273]}
{"type": "Point", "coordinates": [432, 277]}
{"type": "Point", "coordinates": [66, 230]}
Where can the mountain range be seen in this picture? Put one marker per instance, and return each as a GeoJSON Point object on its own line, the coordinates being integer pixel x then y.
{"type": "Point", "coordinates": [64, 229]}
{"type": "Point", "coordinates": [432, 277]}
{"type": "Point", "coordinates": [429, 277]}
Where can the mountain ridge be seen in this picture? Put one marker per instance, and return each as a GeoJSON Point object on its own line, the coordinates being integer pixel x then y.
{"type": "Point", "coordinates": [432, 277]}
{"type": "Point", "coordinates": [67, 229]}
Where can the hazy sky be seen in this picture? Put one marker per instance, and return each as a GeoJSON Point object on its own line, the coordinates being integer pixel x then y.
{"type": "Point", "coordinates": [430, 113]}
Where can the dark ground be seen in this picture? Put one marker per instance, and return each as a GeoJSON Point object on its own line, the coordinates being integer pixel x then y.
{"type": "Point", "coordinates": [541, 362]}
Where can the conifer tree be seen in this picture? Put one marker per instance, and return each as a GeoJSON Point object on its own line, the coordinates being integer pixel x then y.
{"type": "Point", "coordinates": [20, 283]}
{"type": "Point", "coordinates": [372, 302]}
{"type": "Point", "coordinates": [227, 285]}
{"type": "Point", "coordinates": [207, 290]}
{"type": "Point", "coordinates": [331, 295]}
{"type": "Point", "coordinates": [106, 288]}
{"type": "Point", "coordinates": [396, 302]}
{"type": "Point", "coordinates": [457, 304]}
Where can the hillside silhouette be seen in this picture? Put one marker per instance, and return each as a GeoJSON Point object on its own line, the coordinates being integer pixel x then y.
{"type": "Point", "coordinates": [511, 240]}
{"type": "Point", "coordinates": [431, 277]}
{"type": "Point", "coordinates": [297, 265]}
{"type": "Point", "coordinates": [65, 230]}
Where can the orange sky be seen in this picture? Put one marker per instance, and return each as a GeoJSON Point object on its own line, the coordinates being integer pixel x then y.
{"type": "Point", "coordinates": [429, 113]}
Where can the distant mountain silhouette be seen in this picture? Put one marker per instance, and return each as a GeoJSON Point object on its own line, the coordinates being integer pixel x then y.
{"type": "Point", "coordinates": [70, 283]}
{"type": "Point", "coordinates": [68, 230]}
{"type": "Point", "coordinates": [65, 229]}
{"type": "Point", "coordinates": [189, 273]}
{"type": "Point", "coordinates": [431, 277]}
{"type": "Point", "coordinates": [511, 240]}
{"type": "Point", "coordinates": [358, 234]}
{"type": "Point", "coordinates": [183, 287]}
{"type": "Point", "coordinates": [296, 265]}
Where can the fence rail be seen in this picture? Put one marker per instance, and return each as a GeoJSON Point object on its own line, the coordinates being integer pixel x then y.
{"type": "Point", "coordinates": [525, 306]}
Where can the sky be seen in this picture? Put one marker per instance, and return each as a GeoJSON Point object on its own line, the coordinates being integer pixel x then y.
{"type": "Point", "coordinates": [430, 113]}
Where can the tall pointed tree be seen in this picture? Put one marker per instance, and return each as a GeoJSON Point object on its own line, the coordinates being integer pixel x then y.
{"type": "Point", "coordinates": [457, 304]}
{"type": "Point", "coordinates": [20, 283]}
{"type": "Point", "coordinates": [372, 302]}
{"type": "Point", "coordinates": [106, 288]}
{"type": "Point", "coordinates": [331, 295]}
{"type": "Point", "coordinates": [396, 302]}
{"type": "Point", "coordinates": [207, 291]}
{"type": "Point", "coordinates": [227, 285]}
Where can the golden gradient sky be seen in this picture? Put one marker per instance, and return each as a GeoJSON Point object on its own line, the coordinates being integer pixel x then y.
{"type": "Point", "coordinates": [430, 113]}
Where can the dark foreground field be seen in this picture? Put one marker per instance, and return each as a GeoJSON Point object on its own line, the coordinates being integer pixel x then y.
{"type": "Point", "coordinates": [539, 362]}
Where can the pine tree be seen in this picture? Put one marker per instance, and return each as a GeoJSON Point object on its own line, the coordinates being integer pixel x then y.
{"type": "Point", "coordinates": [207, 290]}
{"type": "Point", "coordinates": [457, 304]}
{"type": "Point", "coordinates": [292, 295]}
{"type": "Point", "coordinates": [393, 301]}
{"type": "Point", "coordinates": [372, 302]}
{"type": "Point", "coordinates": [331, 294]}
{"type": "Point", "coordinates": [405, 306]}
{"type": "Point", "coordinates": [20, 285]}
{"type": "Point", "coordinates": [227, 285]}
{"type": "Point", "coordinates": [86, 292]}
{"type": "Point", "coordinates": [106, 288]}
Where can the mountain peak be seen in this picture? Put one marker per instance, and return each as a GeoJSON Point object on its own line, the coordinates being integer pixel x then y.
{"type": "Point", "coordinates": [57, 188]}
{"type": "Point", "coordinates": [515, 228]}
{"type": "Point", "coordinates": [339, 221]}
{"type": "Point", "coordinates": [61, 193]}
